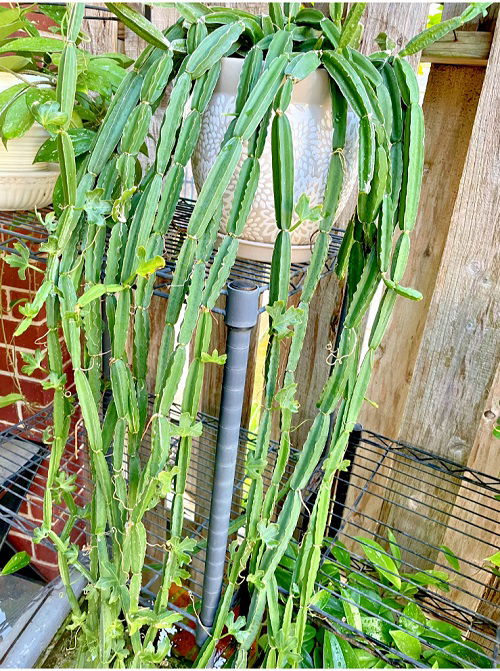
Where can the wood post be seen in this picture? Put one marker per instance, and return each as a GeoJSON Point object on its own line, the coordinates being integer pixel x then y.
{"type": "Point", "coordinates": [460, 349]}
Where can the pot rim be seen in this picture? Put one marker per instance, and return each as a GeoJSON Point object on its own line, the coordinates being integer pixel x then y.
{"type": "Point", "coordinates": [313, 90]}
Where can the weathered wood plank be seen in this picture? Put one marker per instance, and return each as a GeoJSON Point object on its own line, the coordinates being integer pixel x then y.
{"type": "Point", "coordinates": [401, 22]}
{"type": "Point", "coordinates": [460, 348]}
{"type": "Point", "coordinates": [313, 368]}
{"type": "Point", "coordinates": [460, 48]}
{"type": "Point", "coordinates": [472, 534]}
{"type": "Point", "coordinates": [102, 31]}
{"type": "Point", "coordinates": [449, 107]}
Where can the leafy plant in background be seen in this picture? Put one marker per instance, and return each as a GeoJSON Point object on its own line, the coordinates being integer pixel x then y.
{"type": "Point", "coordinates": [375, 598]}
{"type": "Point", "coordinates": [32, 100]}
{"type": "Point", "coordinates": [17, 562]}
{"type": "Point", "coordinates": [105, 247]}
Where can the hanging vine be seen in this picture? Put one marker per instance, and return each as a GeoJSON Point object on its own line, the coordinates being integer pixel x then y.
{"type": "Point", "coordinates": [104, 251]}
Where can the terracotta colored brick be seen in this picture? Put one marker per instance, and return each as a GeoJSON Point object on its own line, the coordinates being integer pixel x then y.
{"type": "Point", "coordinates": [11, 361]}
{"type": "Point", "coordinates": [13, 298]}
{"type": "Point", "coordinates": [32, 338]}
{"type": "Point", "coordinates": [44, 558]}
{"type": "Point", "coordinates": [11, 414]}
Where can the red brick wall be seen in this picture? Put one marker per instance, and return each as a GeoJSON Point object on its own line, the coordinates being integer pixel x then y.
{"type": "Point", "coordinates": [13, 380]}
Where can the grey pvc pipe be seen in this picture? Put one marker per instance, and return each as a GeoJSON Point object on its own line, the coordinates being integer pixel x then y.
{"type": "Point", "coordinates": [241, 316]}
{"type": "Point", "coordinates": [34, 631]}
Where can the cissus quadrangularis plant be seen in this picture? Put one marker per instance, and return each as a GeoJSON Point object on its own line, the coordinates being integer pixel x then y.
{"type": "Point", "coordinates": [103, 251]}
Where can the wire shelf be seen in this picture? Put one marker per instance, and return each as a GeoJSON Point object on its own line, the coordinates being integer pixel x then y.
{"type": "Point", "coordinates": [381, 491]}
{"type": "Point", "coordinates": [24, 227]}
{"type": "Point", "coordinates": [432, 506]}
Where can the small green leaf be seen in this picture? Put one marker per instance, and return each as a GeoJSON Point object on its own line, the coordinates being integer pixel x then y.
{"type": "Point", "coordinates": [305, 212]}
{"type": "Point", "coordinates": [395, 550]}
{"type": "Point", "coordinates": [439, 579]}
{"type": "Point", "coordinates": [147, 268]}
{"type": "Point", "coordinates": [234, 625]}
{"type": "Point", "coordinates": [381, 561]}
{"type": "Point", "coordinates": [341, 554]}
{"type": "Point", "coordinates": [285, 398]}
{"type": "Point", "coordinates": [96, 291]}
{"type": "Point", "coordinates": [81, 138]}
{"type": "Point", "coordinates": [119, 205]}
{"type": "Point", "coordinates": [96, 208]}
{"type": "Point", "coordinates": [21, 260]}
{"type": "Point", "coordinates": [413, 619]}
{"type": "Point", "coordinates": [215, 357]}
{"type": "Point", "coordinates": [29, 45]}
{"type": "Point", "coordinates": [17, 119]}
{"type": "Point", "coordinates": [282, 319]}
{"type": "Point", "coordinates": [494, 558]}
{"type": "Point", "coordinates": [187, 427]}
{"type": "Point", "coordinates": [54, 381]}
{"type": "Point", "coordinates": [409, 645]}
{"type": "Point", "coordinates": [333, 657]}
{"type": "Point", "coordinates": [268, 534]}
{"type": "Point", "coordinates": [13, 63]}
{"type": "Point", "coordinates": [33, 361]}
{"type": "Point", "coordinates": [384, 42]}
{"type": "Point", "coordinates": [451, 557]}
{"type": "Point", "coordinates": [16, 563]}
{"type": "Point", "coordinates": [352, 613]}
{"type": "Point", "coordinates": [48, 115]}
{"type": "Point", "coordinates": [442, 631]}
{"type": "Point", "coordinates": [9, 399]}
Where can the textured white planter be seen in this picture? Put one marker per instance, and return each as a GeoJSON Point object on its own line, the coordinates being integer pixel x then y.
{"type": "Point", "coordinates": [24, 185]}
{"type": "Point", "coordinates": [310, 116]}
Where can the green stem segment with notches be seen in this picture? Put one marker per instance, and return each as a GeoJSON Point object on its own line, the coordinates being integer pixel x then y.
{"type": "Point", "coordinates": [102, 258]}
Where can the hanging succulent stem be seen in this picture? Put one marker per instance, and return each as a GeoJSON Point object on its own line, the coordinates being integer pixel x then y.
{"type": "Point", "coordinates": [102, 259]}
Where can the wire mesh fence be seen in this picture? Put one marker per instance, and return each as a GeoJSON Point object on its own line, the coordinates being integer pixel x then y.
{"type": "Point", "coordinates": [24, 228]}
{"type": "Point", "coordinates": [383, 571]}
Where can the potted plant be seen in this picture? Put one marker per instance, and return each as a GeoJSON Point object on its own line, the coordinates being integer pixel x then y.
{"type": "Point", "coordinates": [105, 247]}
{"type": "Point", "coordinates": [311, 121]}
{"type": "Point", "coordinates": [29, 66]}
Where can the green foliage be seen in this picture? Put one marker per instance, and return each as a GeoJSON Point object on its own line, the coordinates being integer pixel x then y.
{"type": "Point", "coordinates": [112, 217]}
{"type": "Point", "coordinates": [96, 80]}
{"type": "Point", "coordinates": [377, 606]}
{"type": "Point", "coordinates": [16, 563]}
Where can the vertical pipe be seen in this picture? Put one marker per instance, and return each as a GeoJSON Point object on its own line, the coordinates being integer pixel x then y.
{"type": "Point", "coordinates": [242, 307]}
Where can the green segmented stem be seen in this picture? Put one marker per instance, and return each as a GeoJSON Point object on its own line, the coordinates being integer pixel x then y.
{"type": "Point", "coordinates": [382, 93]}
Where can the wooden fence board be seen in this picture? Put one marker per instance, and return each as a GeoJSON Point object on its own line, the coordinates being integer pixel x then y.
{"type": "Point", "coordinates": [400, 21]}
{"type": "Point", "coordinates": [460, 348]}
{"type": "Point", "coordinates": [103, 35]}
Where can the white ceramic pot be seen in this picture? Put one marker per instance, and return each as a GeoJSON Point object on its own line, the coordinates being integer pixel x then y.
{"type": "Point", "coordinates": [310, 116]}
{"type": "Point", "coordinates": [25, 185]}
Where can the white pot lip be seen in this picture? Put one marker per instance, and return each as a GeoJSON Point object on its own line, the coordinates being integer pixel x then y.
{"type": "Point", "coordinates": [51, 170]}
{"type": "Point", "coordinates": [314, 89]}
{"type": "Point", "coordinates": [8, 79]}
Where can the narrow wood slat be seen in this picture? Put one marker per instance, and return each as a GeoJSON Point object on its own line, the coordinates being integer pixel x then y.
{"type": "Point", "coordinates": [460, 48]}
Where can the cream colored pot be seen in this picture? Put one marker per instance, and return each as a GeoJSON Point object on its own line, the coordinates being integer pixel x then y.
{"type": "Point", "coordinates": [310, 116]}
{"type": "Point", "coordinates": [24, 185]}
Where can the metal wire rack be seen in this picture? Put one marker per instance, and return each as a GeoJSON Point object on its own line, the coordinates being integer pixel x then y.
{"type": "Point", "coordinates": [24, 227]}
{"type": "Point", "coordinates": [381, 491]}
{"type": "Point", "coordinates": [444, 519]}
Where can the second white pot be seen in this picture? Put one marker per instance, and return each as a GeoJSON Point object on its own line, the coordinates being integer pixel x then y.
{"type": "Point", "coordinates": [25, 185]}
{"type": "Point", "coordinates": [310, 115]}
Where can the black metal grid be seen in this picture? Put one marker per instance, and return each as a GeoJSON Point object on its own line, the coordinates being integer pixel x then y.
{"type": "Point", "coordinates": [385, 476]}
{"type": "Point", "coordinates": [426, 501]}
{"type": "Point", "coordinates": [24, 227]}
